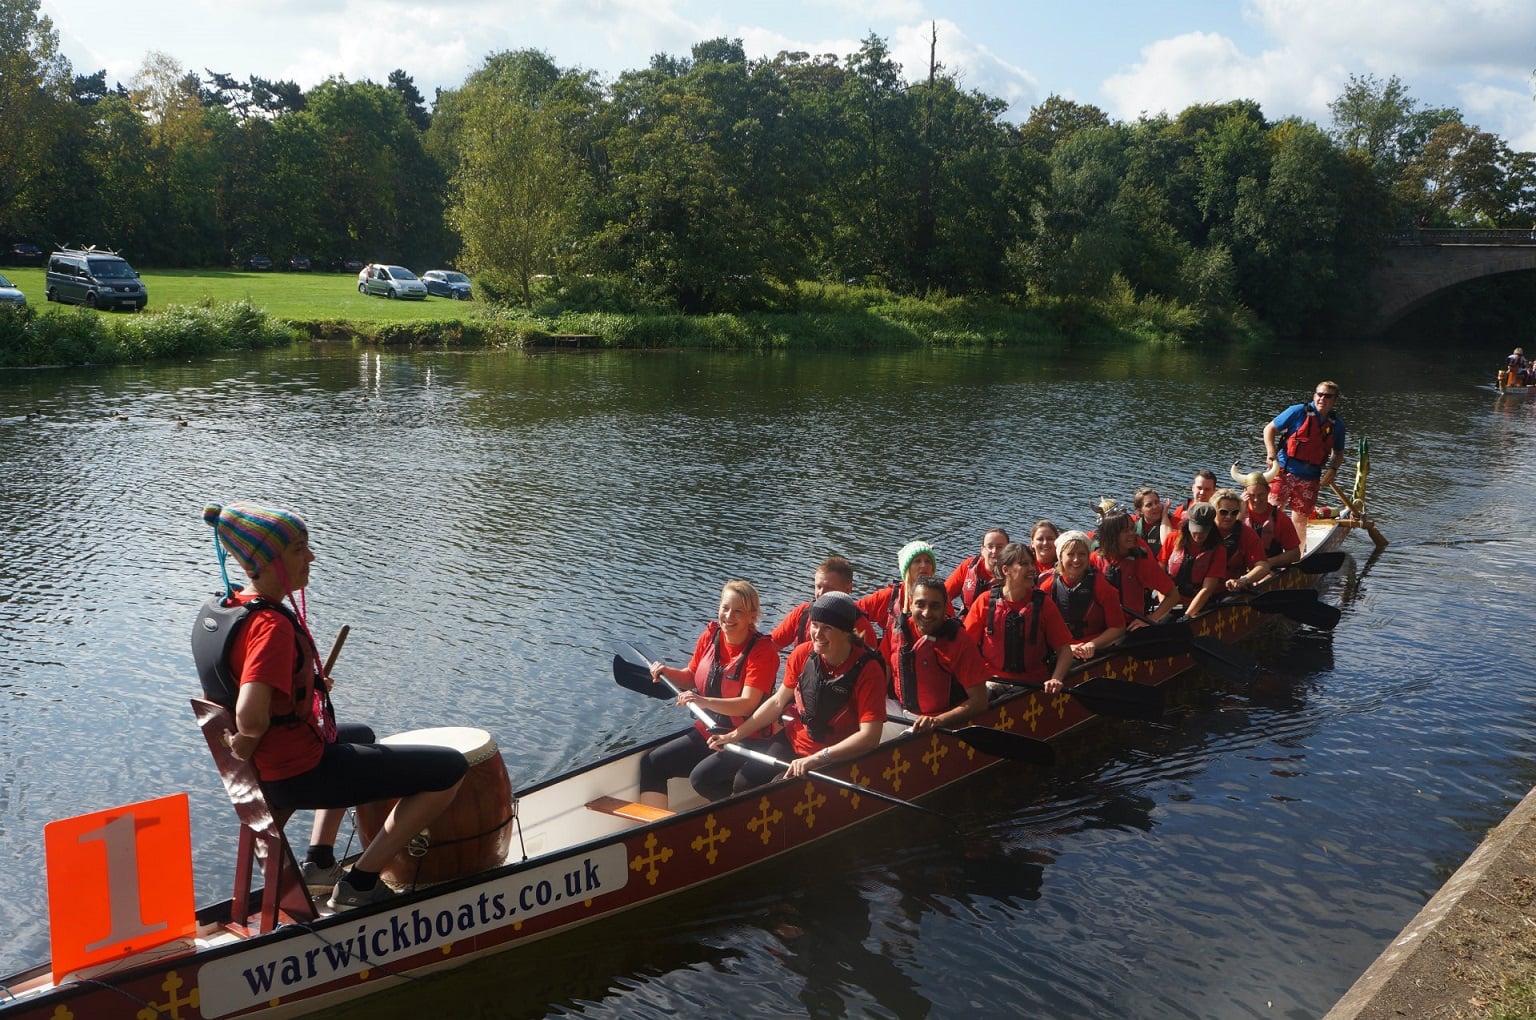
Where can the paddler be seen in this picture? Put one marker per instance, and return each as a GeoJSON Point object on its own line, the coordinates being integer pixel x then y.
{"type": "Point", "coordinates": [1306, 441]}
{"type": "Point", "coordinates": [1277, 535]}
{"type": "Point", "coordinates": [834, 691]}
{"type": "Point", "coordinates": [734, 666]}
{"type": "Point", "coordinates": [937, 675]}
{"type": "Point", "coordinates": [266, 662]}
{"type": "Point", "coordinates": [834, 574]}
{"type": "Point", "coordinates": [884, 605]}
{"type": "Point", "coordinates": [975, 574]}
{"type": "Point", "coordinates": [1019, 631]}
{"type": "Point", "coordinates": [1089, 604]}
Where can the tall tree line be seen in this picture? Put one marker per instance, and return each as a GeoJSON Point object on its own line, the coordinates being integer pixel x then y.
{"type": "Point", "coordinates": [714, 182]}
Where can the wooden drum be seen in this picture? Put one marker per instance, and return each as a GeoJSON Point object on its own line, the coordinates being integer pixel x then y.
{"type": "Point", "coordinates": [472, 834]}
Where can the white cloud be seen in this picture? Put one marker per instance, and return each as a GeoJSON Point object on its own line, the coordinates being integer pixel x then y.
{"type": "Point", "coordinates": [1406, 36]}
{"type": "Point", "coordinates": [971, 63]}
{"type": "Point", "coordinates": [1202, 67]}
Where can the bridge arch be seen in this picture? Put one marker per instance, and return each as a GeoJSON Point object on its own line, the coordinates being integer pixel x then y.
{"type": "Point", "coordinates": [1418, 265]}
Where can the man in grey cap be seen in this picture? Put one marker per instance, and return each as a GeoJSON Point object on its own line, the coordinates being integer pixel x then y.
{"type": "Point", "coordinates": [834, 692]}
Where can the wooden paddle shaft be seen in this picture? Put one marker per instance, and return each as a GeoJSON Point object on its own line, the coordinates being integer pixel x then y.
{"type": "Point", "coordinates": [341, 639]}
{"type": "Point", "coordinates": [1354, 511]}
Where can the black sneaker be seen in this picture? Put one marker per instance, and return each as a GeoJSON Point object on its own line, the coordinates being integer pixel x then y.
{"type": "Point", "coordinates": [345, 897]}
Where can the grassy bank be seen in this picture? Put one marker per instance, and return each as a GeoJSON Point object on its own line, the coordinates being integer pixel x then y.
{"type": "Point", "coordinates": [197, 311]}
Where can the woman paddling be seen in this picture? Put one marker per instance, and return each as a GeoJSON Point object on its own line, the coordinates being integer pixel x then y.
{"type": "Point", "coordinates": [1019, 631]}
{"type": "Point", "coordinates": [733, 668]}
{"type": "Point", "coordinates": [1088, 603]}
{"type": "Point", "coordinates": [1131, 569]}
{"type": "Point", "coordinates": [305, 760]}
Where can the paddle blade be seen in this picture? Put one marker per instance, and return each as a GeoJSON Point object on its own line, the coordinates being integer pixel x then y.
{"type": "Point", "coordinates": [1282, 600]}
{"type": "Point", "coordinates": [1322, 615]}
{"type": "Point", "coordinates": [634, 677]}
{"type": "Point", "coordinates": [1002, 744]}
{"type": "Point", "coordinates": [1321, 562]}
{"type": "Point", "coordinates": [1124, 699]}
{"type": "Point", "coordinates": [1163, 646]}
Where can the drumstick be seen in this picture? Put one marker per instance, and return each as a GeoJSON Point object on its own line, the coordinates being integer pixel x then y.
{"type": "Point", "coordinates": [341, 639]}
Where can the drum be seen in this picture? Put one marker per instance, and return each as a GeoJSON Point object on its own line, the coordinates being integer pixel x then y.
{"type": "Point", "coordinates": [472, 834]}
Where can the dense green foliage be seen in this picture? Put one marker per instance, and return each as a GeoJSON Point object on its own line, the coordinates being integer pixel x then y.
{"type": "Point", "coordinates": [79, 336]}
{"type": "Point", "coordinates": [712, 183]}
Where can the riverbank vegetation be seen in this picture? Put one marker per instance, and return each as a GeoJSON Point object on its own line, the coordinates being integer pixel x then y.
{"type": "Point", "coordinates": [710, 198]}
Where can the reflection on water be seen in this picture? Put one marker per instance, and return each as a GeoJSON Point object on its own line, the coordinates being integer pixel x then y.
{"type": "Point", "coordinates": [485, 522]}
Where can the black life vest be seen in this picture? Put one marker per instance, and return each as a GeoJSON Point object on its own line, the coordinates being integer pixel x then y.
{"type": "Point", "coordinates": [1153, 537]}
{"type": "Point", "coordinates": [1075, 602]}
{"type": "Point", "coordinates": [213, 636]}
{"type": "Point", "coordinates": [821, 697]}
{"type": "Point", "coordinates": [1015, 643]}
{"type": "Point", "coordinates": [918, 673]}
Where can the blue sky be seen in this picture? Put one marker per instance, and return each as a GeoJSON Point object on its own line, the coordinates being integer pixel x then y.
{"type": "Point", "coordinates": [1293, 56]}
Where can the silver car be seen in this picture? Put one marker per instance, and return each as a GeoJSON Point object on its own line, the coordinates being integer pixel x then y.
{"type": "Point", "coordinates": [391, 282]}
{"type": "Point", "coordinates": [10, 294]}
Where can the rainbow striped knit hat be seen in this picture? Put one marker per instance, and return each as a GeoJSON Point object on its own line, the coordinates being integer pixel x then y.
{"type": "Point", "coordinates": [254, 534]}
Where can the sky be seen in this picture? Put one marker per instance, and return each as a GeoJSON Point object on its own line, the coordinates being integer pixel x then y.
{"type": "Point", "coordinates": [1129, 58]}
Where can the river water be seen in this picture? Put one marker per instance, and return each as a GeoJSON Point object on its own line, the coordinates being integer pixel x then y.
{"type": "Point", "coordinates": [486, 521]}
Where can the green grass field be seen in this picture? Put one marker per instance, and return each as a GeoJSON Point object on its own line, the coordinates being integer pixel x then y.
{"type": "Point", "coordinates": [300, 297]}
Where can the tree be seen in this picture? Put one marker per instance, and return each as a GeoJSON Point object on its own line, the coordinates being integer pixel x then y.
{"type": "Point", "coordinates": [415, 105]}
{"type": "Point", "coordinates": [512, 196]}
{"type": "Point", "coordinates": [35, 91]}
{"type": "Point", "coordinates": [1462, 177]}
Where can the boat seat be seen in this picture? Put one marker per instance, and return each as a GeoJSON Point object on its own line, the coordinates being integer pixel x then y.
{"type": "Point", "coordinates": [284, 897]}
{"type": "Point", "coordinates": [628, 809]}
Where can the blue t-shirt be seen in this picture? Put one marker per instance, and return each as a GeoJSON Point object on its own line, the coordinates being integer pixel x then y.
{"type": "Point", "coordinates": [1289, 421]}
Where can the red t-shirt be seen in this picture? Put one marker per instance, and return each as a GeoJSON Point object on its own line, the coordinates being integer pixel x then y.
{"type": "Point", "coordinates": [1103, 613]}
{"type": "Point", "coordinates": [760, 672]}
{"type": "Point", "coordinates": [1250, 550]}
{"type": "Point", "coordinates": [265, 652]}
{"type": "Point", "coordinates": [866, 704]}
{"type": "Point", "coordinates": [1138, 576]}
{"type": "Point", "coordinates": [1214, 565]}
{"type": "Point", "coordinates": [1049, 636]}
{"type": "Point", "coordinates": [955, 658]}
{"type": "Point", "coordinates": [954, 584]}
{"type": "Point", "coordinates": [1281, 530]}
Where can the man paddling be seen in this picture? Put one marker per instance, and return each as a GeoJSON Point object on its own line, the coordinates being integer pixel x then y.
{"type": "Point", "coordinates": [937, 674]}
{"type": "Point", "coordinates": [1307, 442]}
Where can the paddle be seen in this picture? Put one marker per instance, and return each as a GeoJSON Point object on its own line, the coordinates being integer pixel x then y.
{"type": "Point", "coordinates": [1355, 513]}
{"type": "Point", "coordinates": [626, 673]}
{"type": "Point", "coordinates": [863, 791]}
{"type": "Point", "coordinates": [1319, 562]}
{"type": "Point", "coordinates": [1212, 653]}
{"type": "Point", "coordinates": [997, 743]}
{"type": "Point", "coordinates": [341, 639]}
{"type": "Point", "coordinates": [1102, 695]}
{"type": "Point", "coordinates": [1299, 604]}
{"type": "Point", "coordinates": [1153, 643]}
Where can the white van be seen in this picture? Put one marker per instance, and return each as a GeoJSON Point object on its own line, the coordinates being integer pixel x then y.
{"type": "Point", "coordinates": [95, 278]}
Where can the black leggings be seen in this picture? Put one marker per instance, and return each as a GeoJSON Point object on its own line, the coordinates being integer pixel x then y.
{"type": "Point", "coordinates": [354, 770]}
{"type": "Point", "coordinates": [677, 757]}
{"type": "Point", "coordinates": [725, 773]}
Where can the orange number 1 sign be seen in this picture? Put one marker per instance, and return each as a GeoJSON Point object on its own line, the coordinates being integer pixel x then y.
{"type": "Point", "coordinates": [119, 882]}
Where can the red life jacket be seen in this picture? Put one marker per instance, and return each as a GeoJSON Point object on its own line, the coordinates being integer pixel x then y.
{"type": "Point", "coordinates": [922, 684]}
{"type": "Point", "coordinates": [1312, 443]}
{"type": "Point", "coordinates": [975, 583]}
{"type": "Point", "coordinates": [712, 680]}
{"type": "Point", "coordinates": [1188, 572]}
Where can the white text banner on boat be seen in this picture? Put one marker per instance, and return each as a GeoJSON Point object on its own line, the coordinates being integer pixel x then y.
{"type": "Point", "coordinates": [263, 974]}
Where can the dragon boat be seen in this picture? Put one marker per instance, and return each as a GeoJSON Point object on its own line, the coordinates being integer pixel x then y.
{"type": "Point", "coordinates": [569, 851]}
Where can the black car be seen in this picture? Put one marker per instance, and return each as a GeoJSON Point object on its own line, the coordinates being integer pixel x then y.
{"type": "Point", "coordinates": [259, 263]}
{"type": "Point", "coordinates": [297, 264]}
{"type": "Point", "coordinates": [21, 254]}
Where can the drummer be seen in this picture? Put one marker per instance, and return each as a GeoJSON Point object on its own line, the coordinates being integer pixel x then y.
{"type": "Point", "coordinates": [836, 686]}
{"type": "Point", "coordinates": [282, 719]}
{"type": "Point", "coordinates": [734, 666]}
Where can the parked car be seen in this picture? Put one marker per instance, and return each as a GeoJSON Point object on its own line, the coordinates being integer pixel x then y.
{"type": "Point", "coordinates": [447, 283]}
{"type": "Point", "coordinates": [11, 294]}
{"type": "Point", "coordinates": [349, 266]}
{"type": "Point", "coordinates": [259, 263]}
{"type": "Point", "coordinates": [22, 254]}
{"type": "Point", "coordinates": [95, 278]}
{"type": "Point", "coordinates": [391, 282]}
{"type": "Point", "coordinates": [297, 264]}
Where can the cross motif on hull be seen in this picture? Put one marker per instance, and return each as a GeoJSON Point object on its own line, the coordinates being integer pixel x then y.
{"type": "Point", "coordinates": [937, 751]}
{"type": "Point", "coordinates": [806, 808]}
{"type": "Point", "coordinates": [712, 835]}
{"type": "Point", "coordinates": [651, 859]}
{"type": "Point", "coordinates": [899, 767]}
{"type": "Point", "coordinates": [172, 1005]}
{"type": "Point", "coordinates": [768, 816]}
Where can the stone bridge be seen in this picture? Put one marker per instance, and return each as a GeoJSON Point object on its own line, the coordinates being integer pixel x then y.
{"type": "Point", "coordinates": [1419, 264]}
